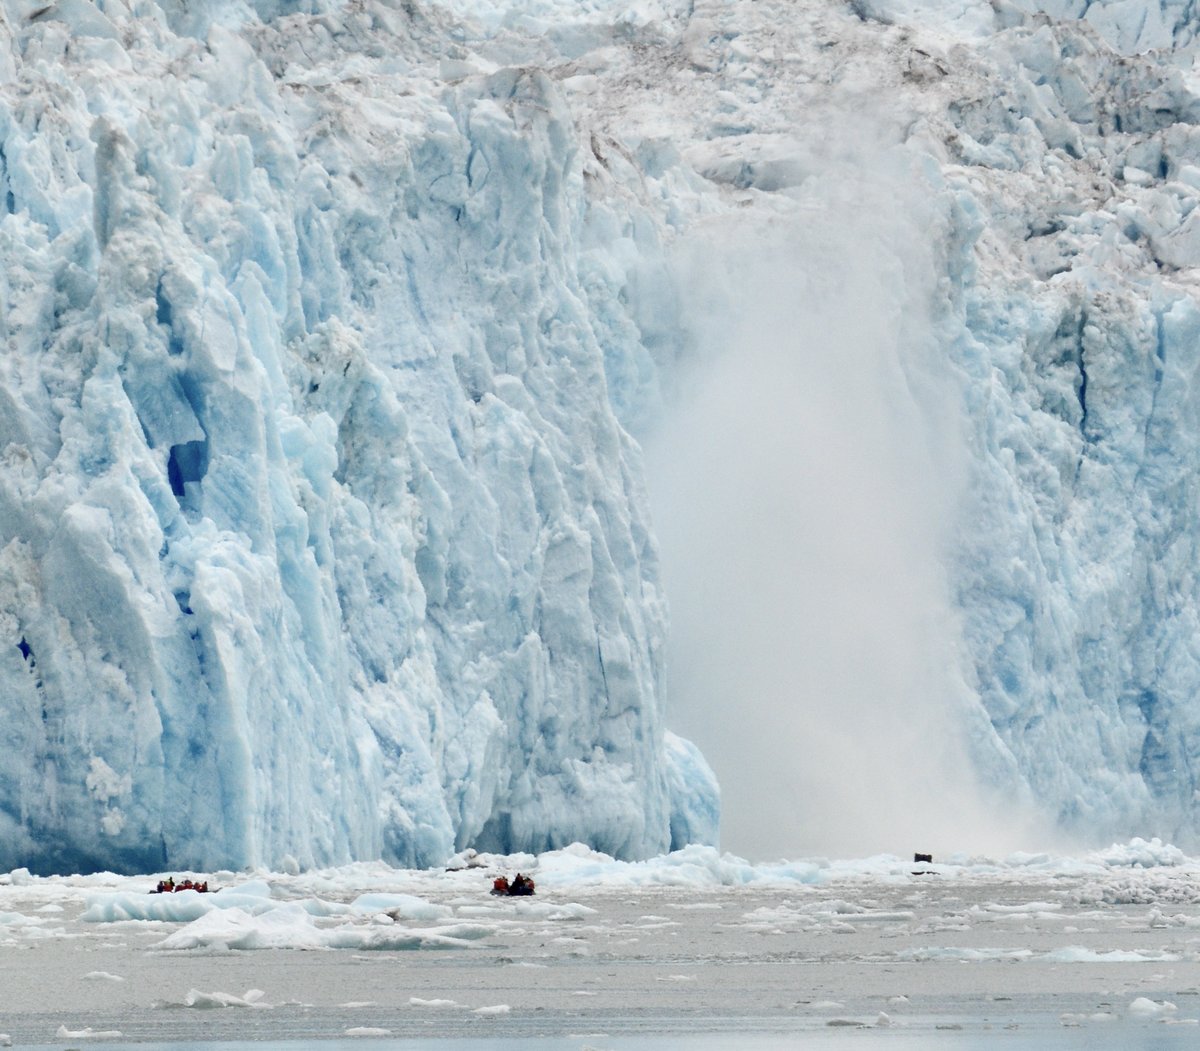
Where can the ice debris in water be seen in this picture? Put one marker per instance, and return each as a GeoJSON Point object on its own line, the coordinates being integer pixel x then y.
{"type": "Point", "coordinates": [1145, 1008]}
{"type": "Point", "coordinates": [217, 1000]}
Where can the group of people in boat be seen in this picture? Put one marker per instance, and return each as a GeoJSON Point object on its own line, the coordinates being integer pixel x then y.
{"type": "Point", "coordinates": [520, 885]}
{"type": "Point", "coordinates": [169, 886]}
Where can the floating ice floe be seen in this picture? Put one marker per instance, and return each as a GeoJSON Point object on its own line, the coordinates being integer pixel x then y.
{"type": "Point", "coordinates": [1145, 1008]}
{"type": "Point", "coordinates": [182, 906]}
{"type": "Point", "coordinates": [692, 866]}
{"type": "Point", "coordinates": [1076, 1018]}
{"type": "Point", "coordinates": [1079, 954]}
{"type": "Point", "coordinates": [201, 1001]}
{"type": "Point", "coordinates": [290, 926]}
{"type": "Point", "coordinates": [1141, 853]}
{"type": "Point", "coordinates": [964, 953]}
{"type": "Point", "coordinates": [400, 906]}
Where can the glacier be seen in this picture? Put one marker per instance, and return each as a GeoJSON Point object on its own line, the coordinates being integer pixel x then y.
{"type": "Point", "coordinates": [335, 330]}
{"type": "Point", "coordinates": [1056, 161]}
{"type": "Point", "coordinates": [321, 538]}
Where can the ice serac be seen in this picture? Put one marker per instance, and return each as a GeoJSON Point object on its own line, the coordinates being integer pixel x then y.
{"type": "Point", "coordinates": [319, 536]}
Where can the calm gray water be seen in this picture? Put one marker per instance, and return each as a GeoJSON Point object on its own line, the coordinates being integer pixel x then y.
{"type": "Point", "coordinates": [1117, 1037]}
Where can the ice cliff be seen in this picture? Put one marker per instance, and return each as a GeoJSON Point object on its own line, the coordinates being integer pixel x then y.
{"type": "Point", "coordinates": [332, 328]}
{"type": "Point", "coordinates": [319, 537]}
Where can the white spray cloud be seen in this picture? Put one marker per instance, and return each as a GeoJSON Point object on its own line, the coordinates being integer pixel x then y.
{"type": "Point", "coordinates": [804, 490]}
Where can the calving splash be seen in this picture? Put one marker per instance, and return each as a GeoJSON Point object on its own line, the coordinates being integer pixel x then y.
{"type": "Point", "coordinates": [806, 486]}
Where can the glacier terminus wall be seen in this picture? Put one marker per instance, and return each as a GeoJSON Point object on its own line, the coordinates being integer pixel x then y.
{"type": "Point", "coordinates": [319, 537]}
{"type": "Point", "coordinates": [333, 330]}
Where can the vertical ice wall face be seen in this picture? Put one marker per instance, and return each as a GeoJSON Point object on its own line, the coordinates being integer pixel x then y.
{"type": "Point", "coordinates": [327, 325]}
{"type": "Point", "coordinates": [319, 538]}
{"type": "Point", "coordinates": [1069, 311]}
{"type": "Point", "coordinates": [1078, 300]}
